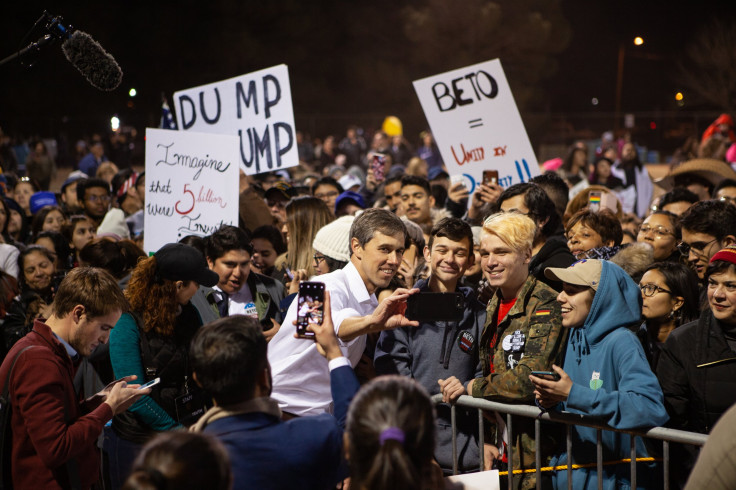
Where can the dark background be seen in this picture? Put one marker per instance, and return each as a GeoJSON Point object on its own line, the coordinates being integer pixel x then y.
{"type": "Point", "coordinates": [353, 62]}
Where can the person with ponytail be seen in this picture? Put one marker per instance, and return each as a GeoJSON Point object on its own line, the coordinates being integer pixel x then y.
{"type": "Point", "coordinates": [181, 460]}
{"type": "Point", "coordinates": [390, 438]}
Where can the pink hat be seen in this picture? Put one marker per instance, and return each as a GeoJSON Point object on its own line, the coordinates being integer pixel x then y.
{"type": "Point", "coordinates": [731, 154]}
{"type": "Point", "coordinates": [552, 165]}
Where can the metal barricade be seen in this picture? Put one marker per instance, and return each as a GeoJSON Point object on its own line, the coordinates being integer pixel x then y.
{"type": "Point", "coordinates": [569, 419]}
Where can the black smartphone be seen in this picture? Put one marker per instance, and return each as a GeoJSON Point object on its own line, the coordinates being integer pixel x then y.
{"type": "Point", "coordinates": [443, 307]}
{"type": "Point", "coordinates": [490, 177]}
{"type": "Point", "coordinates": [310, 307]}
{"type": "Point", "coordinates": [548, 375]}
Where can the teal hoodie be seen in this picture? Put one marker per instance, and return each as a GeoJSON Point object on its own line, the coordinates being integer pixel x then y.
{"type": "Point", "coordinates": [612, 381]}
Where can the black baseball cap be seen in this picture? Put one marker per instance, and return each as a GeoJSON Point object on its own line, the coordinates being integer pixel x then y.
{"type": "Point", "coordinates": [179, 262]}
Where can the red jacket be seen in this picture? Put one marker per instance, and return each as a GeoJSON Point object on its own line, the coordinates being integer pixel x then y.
{"type": "Point", "coordinates": [42, 441]}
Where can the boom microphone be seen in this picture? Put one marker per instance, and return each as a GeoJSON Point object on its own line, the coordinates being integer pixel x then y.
{"type": "Point", "coordinates": [92, 61]}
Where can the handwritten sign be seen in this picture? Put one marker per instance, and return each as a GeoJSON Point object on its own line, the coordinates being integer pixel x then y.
{"type": "Point", "coordinates": [191, 185]}
{"type": "Point", "coordinates": [476, 124]}
{"type": "Point", "coordinates": [256, 107]}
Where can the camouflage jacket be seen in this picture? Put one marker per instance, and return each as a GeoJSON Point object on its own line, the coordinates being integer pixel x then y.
{"type": "Point", "coordinates": [530, 338]}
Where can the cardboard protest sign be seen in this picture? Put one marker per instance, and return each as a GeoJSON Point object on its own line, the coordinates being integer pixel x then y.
{"type": "Point", "coordinates": [476, 124]}
{"type": "Point", "coordinates": [192, 184]}
{"type": "Point", "coordinates": [255, 107]}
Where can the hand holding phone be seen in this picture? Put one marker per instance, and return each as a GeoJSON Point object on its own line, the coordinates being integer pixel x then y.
{"type": "Point", "coordinates": [310, 307]}
{"type": "Point", "coordinates": [378, 164]}
{"type": "Point", "coordinates": [324, 334]}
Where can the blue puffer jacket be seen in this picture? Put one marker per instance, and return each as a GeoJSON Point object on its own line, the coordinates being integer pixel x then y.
{"type": "Point", "coordinates": [612, 381]}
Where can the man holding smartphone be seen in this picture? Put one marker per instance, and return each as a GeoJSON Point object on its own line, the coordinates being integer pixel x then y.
{"type": "Point", "coordinates": [300, 377]}
{"type": "Point", "coordinates": [53, 434]}
{"type": "Point", "coordinates": [229, 361]}
{"type": "Point", "coordinates": [438, 350]}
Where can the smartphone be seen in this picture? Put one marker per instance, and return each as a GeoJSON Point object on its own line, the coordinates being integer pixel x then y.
{"type": "Point", "coordinates": [378, 165]}
{"type": "Point", "coordinates": [490, 177]}
{"type": "Point", "coordinates": [594, 201]}
{"type": "Point", "coordinates": [150, 384]}
{"type": "Point", "coordinates": [548, 375]}
{"type": "Point", "coordinates": [310, 307]}
{"type": "Point", "coordinates": [455, 179]}
{"type": "Point", "coordinates": [443, 307]}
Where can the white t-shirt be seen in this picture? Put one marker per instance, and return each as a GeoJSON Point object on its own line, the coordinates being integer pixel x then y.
{"type": "Point", "coordinates": [301, 379]}
{"type": "Point", "coordinates": [240, 302]}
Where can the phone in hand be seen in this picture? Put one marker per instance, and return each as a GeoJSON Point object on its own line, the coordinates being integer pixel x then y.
{"type": "Point", "coordinates": [447, 307]}
{"type": "Point", "coordinates": [150, 384]}
{"type": "Point", "coordinates": [490, 177]}
{"type": "Point", "coordinates": [378, 163]}
{"type": "Point", "coordinates": [310, 307]}
{"type": "Point", "coordinates": [594, 201]}
{"type": "Point", "coordinates": [547, 375]}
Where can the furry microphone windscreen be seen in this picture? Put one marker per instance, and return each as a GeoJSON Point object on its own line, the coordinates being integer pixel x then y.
{"type": "Point", "coordinates": [96, 64]}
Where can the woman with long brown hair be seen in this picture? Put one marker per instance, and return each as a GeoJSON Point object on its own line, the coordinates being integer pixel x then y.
{"type": "Point", "coordinates": [152, 341]}
{"type": "Point", "coordinates": [304, 217]}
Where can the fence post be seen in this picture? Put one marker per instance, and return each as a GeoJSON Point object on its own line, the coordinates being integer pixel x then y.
{"type": "Point", "coordinates": [481, 439]}
{"type": "Point", "coordinates": [453, 421]}
{"type": "Point", "coordinates": [569, 457]}
{"type": "Point", "coordinates": [537, 453]}
{"type": "Point", "coordinates": [599, 457]}
{"type": "Point", "coordinates": [633, 460]}
{"type": "Point", "coordinates": [510, 449]}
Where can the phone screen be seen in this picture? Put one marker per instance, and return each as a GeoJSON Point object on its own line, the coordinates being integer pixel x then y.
{"type": "Point", "coordinates": [310, 307]}
{"type": "Point", "coordinates": [378, 164]}
{"type": "Point", "coordinates": [151, 383]}
{"type": "Point", "coordinates": [594, 201]}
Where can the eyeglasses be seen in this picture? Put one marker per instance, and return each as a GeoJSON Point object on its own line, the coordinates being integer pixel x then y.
{"type": "Point", "coordinates": [94, 198]}
{"type": "Point", "coordinates": [698, 248]}
{"type": "Point", "coordinates": [650, 290]}
{"type": "Point", "coordinates": [318, 258]}
{"type": "Point", "coordinates": [659, 231]}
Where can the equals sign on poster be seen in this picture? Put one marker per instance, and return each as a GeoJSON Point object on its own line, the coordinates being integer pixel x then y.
{"type": "Point", "coordinates": [475, 123]}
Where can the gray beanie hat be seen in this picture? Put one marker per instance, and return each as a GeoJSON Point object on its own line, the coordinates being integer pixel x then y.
{"type": "Point", "coordinates": [333, 239]}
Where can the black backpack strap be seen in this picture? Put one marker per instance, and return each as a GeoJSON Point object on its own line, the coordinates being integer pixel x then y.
{"type": "Point", "coordinates": [149, 366]}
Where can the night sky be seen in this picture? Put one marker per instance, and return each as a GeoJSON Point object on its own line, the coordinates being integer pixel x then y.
{"type": "Point", "coordinates": [166, 46]}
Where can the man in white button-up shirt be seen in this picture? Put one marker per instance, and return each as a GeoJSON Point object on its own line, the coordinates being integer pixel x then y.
{"type": "Point", "coordinates": [301, 380]}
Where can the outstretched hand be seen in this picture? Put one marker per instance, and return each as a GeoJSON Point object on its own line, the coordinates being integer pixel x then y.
{"type": "Point", "coordinates": [550, 393]}
{"type": "Point", "coordinates": [390, 312]}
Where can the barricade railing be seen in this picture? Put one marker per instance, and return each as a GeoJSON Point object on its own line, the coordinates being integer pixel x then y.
{"type": "Point", "coordinates": [569, 419]}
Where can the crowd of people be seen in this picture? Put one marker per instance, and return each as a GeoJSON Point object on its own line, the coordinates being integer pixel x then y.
{"type": "Point", "coordinates": [589, 289]}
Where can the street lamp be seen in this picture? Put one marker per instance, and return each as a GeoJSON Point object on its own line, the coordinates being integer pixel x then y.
{"type": "Point", "coordinates": [638, 41]}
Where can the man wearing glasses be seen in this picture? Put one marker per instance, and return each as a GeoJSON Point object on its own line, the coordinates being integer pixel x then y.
{"type": "Point", "coordinates": [94, 197]}
{"type": "Point", "coordinates": [707, 227]}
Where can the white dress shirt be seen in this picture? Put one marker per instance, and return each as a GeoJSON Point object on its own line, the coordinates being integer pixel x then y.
{"type": "Point", "coordinates": [301, 378]}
